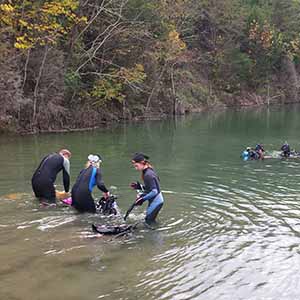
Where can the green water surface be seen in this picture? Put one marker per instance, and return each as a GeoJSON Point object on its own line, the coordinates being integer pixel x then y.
{"type": "Point", "coordinates": [228, 230]}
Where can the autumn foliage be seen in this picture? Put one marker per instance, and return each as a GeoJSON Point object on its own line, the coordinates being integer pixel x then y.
{"type": "Point", "coordinates": [70, 64]}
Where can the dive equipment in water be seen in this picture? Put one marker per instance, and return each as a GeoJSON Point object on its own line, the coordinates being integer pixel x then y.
{"type": "Point", "coordinates": [113, 229]}
{"type": "Point", "coordinates": [107, 206]}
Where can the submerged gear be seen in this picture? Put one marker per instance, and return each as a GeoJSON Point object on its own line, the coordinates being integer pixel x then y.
{"type": "Point", "coordinates": [108, 206]}
{"type": "Point", "coordinates": [112, 230]}
{"type": "Point", "coordinates": [132, 206]}
{"type": "Point", "coordinates": [82, 198]}
{"type": "Point", "coordinates": [45, 175]}
{"type": "Point", "coordinates": [137, 186]}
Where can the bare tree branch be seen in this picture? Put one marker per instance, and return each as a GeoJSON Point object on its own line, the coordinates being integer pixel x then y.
{"type": "Point", "coordinates": [35, 94]}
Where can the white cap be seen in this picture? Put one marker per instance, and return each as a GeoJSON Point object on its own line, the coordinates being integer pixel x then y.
{"type": "Point", "coordinates": [94, 158]}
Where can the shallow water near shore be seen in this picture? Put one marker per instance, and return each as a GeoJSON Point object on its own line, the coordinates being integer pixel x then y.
{"type": "Point", "coordinates": [228, 230]}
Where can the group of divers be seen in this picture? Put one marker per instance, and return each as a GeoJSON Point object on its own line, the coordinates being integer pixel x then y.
{"type": "Point", "coordinates": [81, 198]}
{"type": "Point", "coordinates": [258, 153]}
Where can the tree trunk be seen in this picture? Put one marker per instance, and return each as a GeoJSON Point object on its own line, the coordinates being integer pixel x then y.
{"type": "Point", "coordinates": [290, 79]}
{"type": "Point", "coordinates": [173, 92]}
{"type": "Point", "coordinates": [154, 87]}
{"type": "Point", "coordinates": [35, 94]}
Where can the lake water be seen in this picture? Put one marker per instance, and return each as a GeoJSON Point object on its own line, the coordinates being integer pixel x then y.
{"type": "Point", "coordinates": [229, 229]}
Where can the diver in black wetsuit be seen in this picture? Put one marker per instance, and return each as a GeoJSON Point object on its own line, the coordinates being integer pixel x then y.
{"type": "Point", "coordinates": [82, 198]}
{"type": "Point", "coordinates": [152, 192]}
{"type": "Point", "coordinates": [286, 150]}
{"type": "Point", "coordinates": [45, 175]}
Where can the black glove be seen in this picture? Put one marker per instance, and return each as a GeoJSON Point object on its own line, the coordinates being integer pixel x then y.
{"type": "Point", "coordinates": [134, 185]}
{"type": "Point", "coordinates": [139, 201]}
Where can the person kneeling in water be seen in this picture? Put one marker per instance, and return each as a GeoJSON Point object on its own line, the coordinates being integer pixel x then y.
{"type": "Point", "coordinates": [45, 175]}
{"type": "Point", "coordinates": [82, 198]}
{"type": "Point", "coordinates": [152, 191]}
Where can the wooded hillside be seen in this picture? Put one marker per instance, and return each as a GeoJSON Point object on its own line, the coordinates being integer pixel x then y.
{"type": "Point", "coordinates": [78, 64]}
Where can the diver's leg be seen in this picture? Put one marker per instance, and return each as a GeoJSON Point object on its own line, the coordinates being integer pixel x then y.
{"type": "Point", "coordinates": [44, 190]}
{"type": "Point", "coordinates": [83, 202]}
{"type": "Point", "coordinates": [48, 197]}
{"type": "Point", "coordinates": [152, 212]}
{"type": "Point", "coordinates": [36, 187]}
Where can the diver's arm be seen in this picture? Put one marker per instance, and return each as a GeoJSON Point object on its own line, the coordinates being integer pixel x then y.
{"type": "Point", "coordinates": [151, 195]}
{"type": "Point", "coordinates": [100, 183]}
{"type": "Point", "coordinates": [66, 174]}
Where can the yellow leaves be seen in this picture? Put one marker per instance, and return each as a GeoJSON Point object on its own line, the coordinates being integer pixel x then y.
{"type": "Point", "coordinates": [8, 8]}
{"type": "Point", "coordinates": [107, 89]}
{"type": "Point", "coordinates": [173, 35]}
{"type": "Point", "coordinates": [269, 39]}
{"type": "Point", "coordinates": [83, 20]}
{"type": "Point", "coordinates": [176, 41]}
{"type": "Point", "coordinates": [56, 11]}
{"type": "Point", "coordinates": [23, 23]}
{"type": "Point", "coordinates": [6, 20]}
{"type": "Point", "coordinates": [295, 45]}
{"type": "Point", "coordinates": [21, 46]}
{"type": "Point", "coordinates": [57, 8]}
{"type": "Point", "coordinates": [133, 75]}
{"type": "Point", "coordinates": [172, 47]}
{"type": "Point", "coordinates": [6, 14]}
{"type": "Point", "coordinates": [292, 48]}
{"type": "Point", "coordinates": [22, 42]}
{"type": "Point", "coordinates": [63, 9]}
{"type": "Point", "coordinates": [71, 4]}
{"type": "Point", "coordinates": [39, 22]}
{"type": "Point", "coordinates": [112, 86]}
